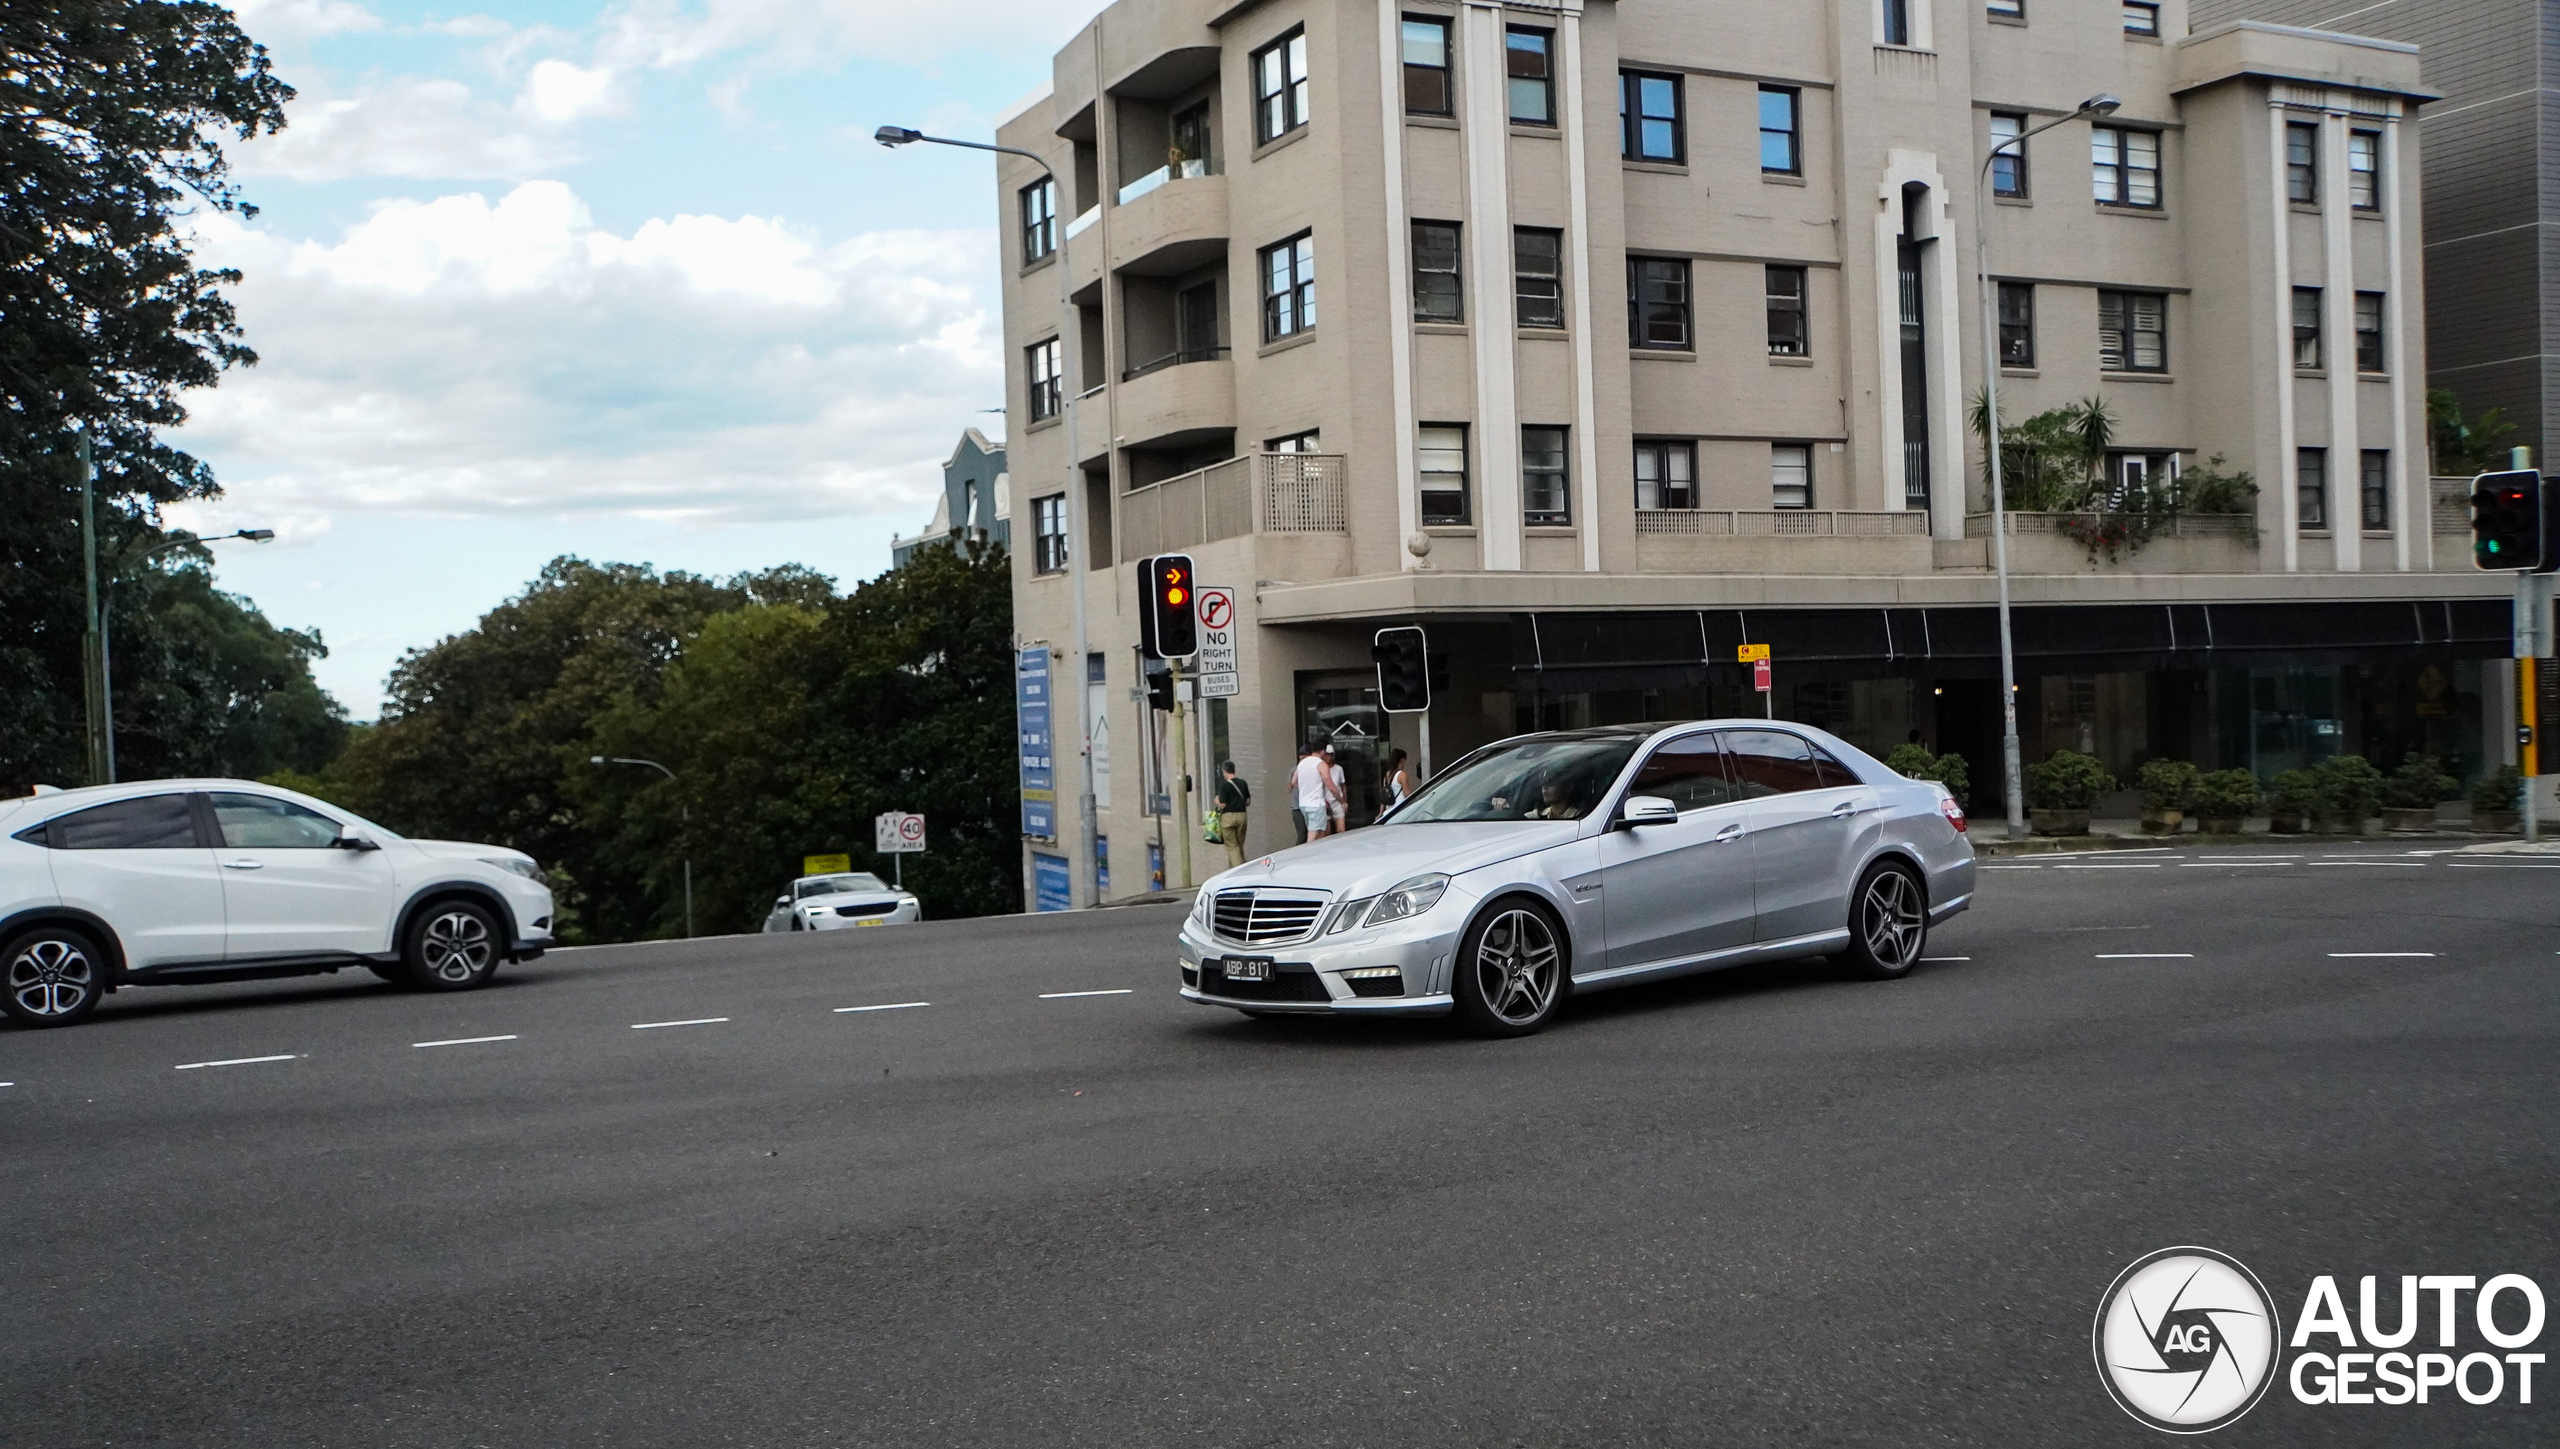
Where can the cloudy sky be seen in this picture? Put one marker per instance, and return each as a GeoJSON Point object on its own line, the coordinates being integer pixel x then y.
{"type": "Point", "coordinates": [626, 280]}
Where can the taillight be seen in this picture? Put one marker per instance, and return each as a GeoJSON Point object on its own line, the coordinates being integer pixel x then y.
{"type": "Point", "coordinates": [1954, 813]}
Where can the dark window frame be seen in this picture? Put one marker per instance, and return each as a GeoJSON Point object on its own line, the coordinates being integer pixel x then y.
{"type": "Point", "coordinates": [1423, 75]}
{"type": "Point", "coordinates": [2123, 172]}
{"type": "Point", "coordinates": [2005, 9]}
{"type": "Point", "coordinates": [2308, 338]}
{"type": "Point", "coordinates": [2009, 157]}
{"type": "Point", "coordinates": [1537, 298]}
{"type": "Point", "coordinates": [2149, 18]}
{"type": "Point", "coordinates": [1648, 307]}
{"type": "Point", "coordinates": [2018, 324]}
{"type": "Point", "coordinates": [1662, 451]}
{"type": "Point", "coordinates": [1633, 117]}
{"type": "Point", "coordinates": [2128, 316]}
{"type": "Point", "coordinates": [2364, 183]}
{"type": "Point", "coordinates": [1288, 310]}
{"type": "Point", "coordinates": [1290, 96]}
{"type": "Point", "coordinates": [1038, 205]}
{"type": "Point", "coordinates": [1777, 304]}
{"type": "Point", "coordinates": [2310, 489]}
{"type": "Point", "coordinates": [1806, 449]}
{"type": "Point", "coordinates": [1897, 22]}
{"type": "Point", "coordinates": [1512, 76]}
{"type": "Point", "coordinates": [1045, 396]}
{"type": "Point", "coordinates": [1455, 271]}
{"type": "Point", "coordinates": [2373, 357]}
{"type": "Point", "coordinates": [1464, 492]}
{"type": "Point", "coordinates": [1561, 515]}
{"type": "Point", "coordinates": [2373, 488]}
{"type": "Point", "coordinates": [1049, 545]}
{"type": "Point", "coordinates": [2301, 163]}
{"type": "Point", "coordinates": [1792, 132]}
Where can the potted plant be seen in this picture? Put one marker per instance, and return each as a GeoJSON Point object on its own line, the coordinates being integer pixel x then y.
{"type": "Point", "coordinates": [2496, 799]}
{"type": "Point", "coordinates": [2350, 792]}
{"type": "Point", "coordinates": [1913, 762]}
{"type": "Point", "coordinates": [2166, 786]}
{"type": "Point", "coordinates": [2411, 795]}
{"type": "Point", "coordinates": [2224, 801]}
{"type": "Point", "coordinates": [2062, 789]}
{"type": "Point", "coordinates": [2292, 799]}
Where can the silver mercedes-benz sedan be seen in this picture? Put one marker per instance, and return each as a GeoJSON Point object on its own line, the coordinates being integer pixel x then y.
{"type": "Point", "coordinates": [1582, 859]}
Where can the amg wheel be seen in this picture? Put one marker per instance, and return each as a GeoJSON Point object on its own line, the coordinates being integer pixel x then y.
{"type": "Point", "coordinates": [453, 946]}
{"type": "Point", "coordinates": [1888, 923]}
{"type": "Point", "coordinates": [1510, 973]}
{"type": "Point", "coordinates": [53, 974]}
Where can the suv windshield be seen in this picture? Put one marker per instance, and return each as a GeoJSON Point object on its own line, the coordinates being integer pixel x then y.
{"type": "Point", "coordinates": [828, 885]}
{"type": "Point", "coordinates": [1544, 777]}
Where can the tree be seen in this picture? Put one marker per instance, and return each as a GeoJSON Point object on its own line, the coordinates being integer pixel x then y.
{"type": "Point", "coordinates": [2462, 449]}
{"type": "Point", "coordinates": [113, 115]}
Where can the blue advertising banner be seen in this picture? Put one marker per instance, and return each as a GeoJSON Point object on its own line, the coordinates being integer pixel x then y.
{"type": "Point", "coordinates": [1033, 742]}
{"type": "Point", "coordinates": [1051, 889]}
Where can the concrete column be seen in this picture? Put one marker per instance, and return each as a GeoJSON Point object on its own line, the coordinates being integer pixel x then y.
{"type": "Point", "coordinates": [1495, 442]}
{"type": "Point", "coordinates": [2338, 323]}
{"type": "Point", "coordinates": [1584, 316]}
{"type": "Point", "coordinates": [1399, 273]}
{"type": "Point", "coordinates": [2412, 519]}
{"type": "Point", "coordinates": [2288, 509]}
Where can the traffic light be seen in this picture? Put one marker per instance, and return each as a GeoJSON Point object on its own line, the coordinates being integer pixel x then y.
{"type": "Point", "coordinates": [1172, 627]}
{"type": "Point", "coordinates": [1160, 690]}
{"type": "Point", "coordinates": [1404, 670]}
{"type": "Point", "coordinates": [2512, 523]}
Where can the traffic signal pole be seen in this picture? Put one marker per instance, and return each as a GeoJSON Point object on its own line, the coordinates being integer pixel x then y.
{"type": "Point", "coordinates": [1182, 820]}
{"type": "Point", "coordinates": [2532, 612]}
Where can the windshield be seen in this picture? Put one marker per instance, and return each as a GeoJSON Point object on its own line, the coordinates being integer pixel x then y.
{"type": "Point", "coordinates": [1545, 777]}
{"type": "Point", "coordinates": [828, 885]}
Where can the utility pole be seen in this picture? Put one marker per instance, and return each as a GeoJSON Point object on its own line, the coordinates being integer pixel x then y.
{"type": "Point", "coordinates": [93, 662]}
{"type": "Point", "coordinates": [2530, 610]}
{"type": "Point", "coordinates": [1181, 771]}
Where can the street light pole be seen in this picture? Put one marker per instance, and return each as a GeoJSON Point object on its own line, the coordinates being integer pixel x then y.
{"type": "Point", "coordinates": [684, 814]}
{"type": "Point", "coordinates": [2013, 791]}
{"type": "Point", "coordinates": [103, 596]}
{"type": "Point", "coordinates": [1080, 883]}
{"type": "Point", "coordinates": [92, 666]}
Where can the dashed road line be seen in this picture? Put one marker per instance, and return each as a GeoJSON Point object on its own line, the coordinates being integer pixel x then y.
{"type": "Point", "coordinates": [887, 1006]}
{"type": "Point", "coordinates": [2128, 865]}
{"type": "Point", "coordinates": [697, 1021]}
{"type": "Point", "coordinates": [1927, 959]}
{"type": "Point", "coordinates": [232, 1062]}
{"type": "Point", "coordinates": [2403, 864]}
{"type": "Point", "coordinates": [2146, 955]}
{"type": "Point", "coordinates": [2218, 864]}
{"type": "Point", "coordinates": [1062, 995]}
{"type": "Point", "coordinates": [2504, 864]}
{"type": "Point", "coordinates": [2381, 955]}
{"type": "Point", "coordinates": [2012, 867]}
{"type": "Point", "coordinates": [461, 1041]}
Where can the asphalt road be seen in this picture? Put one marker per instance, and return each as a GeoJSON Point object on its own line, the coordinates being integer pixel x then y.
{"type": "Point", "coordinates": [1770, 1206]}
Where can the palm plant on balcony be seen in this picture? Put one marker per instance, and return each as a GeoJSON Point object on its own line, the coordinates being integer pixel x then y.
{"type": "Point", "coordinates": [2056, 462]}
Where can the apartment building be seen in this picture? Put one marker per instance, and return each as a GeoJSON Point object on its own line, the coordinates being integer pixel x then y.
{"type": "Point", "coordinates": [1600, 338]}
{"type": "Point", "coordinates": [976, 502]}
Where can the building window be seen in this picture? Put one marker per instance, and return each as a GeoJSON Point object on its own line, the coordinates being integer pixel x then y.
{"type": "Point", "coordinates": [2133, 332]}
{"type": "Point", "coordinates": [2125, 166]}
{"type": "Point", "coordinates": [1310, 441]}
{"type": "Point", "coordinates": [1046, 385]}
{"type": "Point", "coordinates": [1788, 335]}
{"type": "Point", "coordinates": [1437, 294]}
{"type": "Point", "coordinates": [2306, 326]}
{"type": "Point", "coordinates": [1537, 276]}
{"type": "Point", "coordinates": [2375, 489]}
{"type": "Point", "coordinates": [1658, 303]}
{"type": "Point", "coordinates": [2311, 488]}
{"type": "Point", "coordinates": [2364, 170]}
{"type": "Point", "coordinates": [1666, 475]}
{"type": "Point", "coordinates": [1897, 22]}
{"type": "Point", "coordinates": [2008, 154]}
{"type": "Point", "coordinates": [1039, 220]}
{"type": "Point", "coordinates": [2369, 332]}
{"type": "Point", "coordinates": [2301, 163]}
{"type": "Point", "coordinates": [2141, 18]}
{"type": "Point", "coordinates": [1049, 533]}
{"type": "Point", "coordinates": [1529, 61]}
{"type": "Point", "coordinates": [1649, 126]}
{"type": "Point", "coordinates": [1790, 475]}
{"type": "Point", "coordinates": [2006, 9]}
{"type": "Point", "coordinates": [1289, 287]}
{"type": "Point", "coordinates": [1426, 66]}
{"type": "Point", "coordinates": [1780, 130]}
{"type": "Point", "coordinates": [1543, 491]}
{"type": "Point", "coordinates": [1441, 451]}
{"type": "Point", "coordinates": [1280, 87]}
{"type": "Point", "coordinates": [2017, 324]}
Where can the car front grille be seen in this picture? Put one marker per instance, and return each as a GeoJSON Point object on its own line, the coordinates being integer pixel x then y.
{"type": "Point", "coordinates": [1287, 982]}
{"type": "Point", "coordinates": [880, 908]}
{"type": "Point", "coordinates": [1265, 917]}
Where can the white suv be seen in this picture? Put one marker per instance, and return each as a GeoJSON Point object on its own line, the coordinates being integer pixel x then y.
{"type": "Point", "coordinates": [229, 880]}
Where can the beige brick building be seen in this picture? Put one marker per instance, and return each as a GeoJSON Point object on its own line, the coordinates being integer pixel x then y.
{"type": "Point", "coordinates": [1600, 337]}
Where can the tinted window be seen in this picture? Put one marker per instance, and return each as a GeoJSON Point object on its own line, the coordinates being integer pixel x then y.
{"type": "Point", "coordinates": [1834, 773]}
{"type": "Point", "coordinates": [153, 822]}
{"type": "Point", "coordinates": [1543, 777]}
{"type": "Point", "coordinates": [1689, 773]}
{"type": "Point", "coordinates": [257, 822]}
{"type": "Point", "coordinates": [1769, 762]}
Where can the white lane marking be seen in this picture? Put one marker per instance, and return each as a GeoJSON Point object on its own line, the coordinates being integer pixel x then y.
{"type": "Point", "coordinates": [232, 1062]}
{"type": "Point", "coordinates": [8, 1084]}
{"type": "Point", "coordinates": [2013, 867]}
{"type": "Point", "coordinates": [697, 1021]}
{"type": "Point", "coordinates": [2257, 855]}
{"type": "Point", "coordinates": [2210, 864]}
{"type": "Point", "coordinates": [1061, 995]}
{"type": "Point", "coordinates": [2408, 864]}
{"type": "Point", "coordinates": [2377, 955]}
{"type": "Point", "coordinates": [2128, 850]}
{"type": "Point", "coordinates": [461, 1041]}
{"type": "Point", "coordinates": [891, 1006]}
{"type": "Point", "coordinates": [2503, 865]}
{"type": "Point", "coordinates": [2146, 955]}
{"type": "Point", "coordinates": [2129, 865]}
{"type": "Point", "coordinates": [1946, 958]}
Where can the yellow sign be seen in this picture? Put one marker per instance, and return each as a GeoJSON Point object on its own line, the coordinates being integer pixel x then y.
{"type": "Point", "coordinates": [1750, 653]}
{"type": "Point", "coordinates": [825, 864]}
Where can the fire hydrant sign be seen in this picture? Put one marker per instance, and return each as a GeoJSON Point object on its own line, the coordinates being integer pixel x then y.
{"type": "Point", "coordinates": [1217, 664]}
{"type": "Point", "coordinates": [898, 833]}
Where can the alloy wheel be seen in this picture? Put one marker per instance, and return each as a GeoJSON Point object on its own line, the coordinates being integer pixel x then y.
{"type": "Point", "coordinates": [1890, 919]}
{"type": "Point", "coordinates": [456, 946]}
{"type": "Point", "coordinates": [1518, 967]}
{"type": "Point", "coordinates": [51, 977]}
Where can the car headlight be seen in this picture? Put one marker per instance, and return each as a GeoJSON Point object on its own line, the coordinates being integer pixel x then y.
{"type": "Point", "coordinates": [1200, 906]}
{"type": "Point", "coordinates": [1409, 898]}
{"type": "Point", "coordinates": [524, 868]}
{"type": "Point", "coordinates": [1348, 915]}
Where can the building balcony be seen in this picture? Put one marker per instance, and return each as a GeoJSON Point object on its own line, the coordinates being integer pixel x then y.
{"type": "Point", "coordinates": [1167, 224]}
{"type": "Point", "coordinates": [1781, 541]}
{"type": "Point", "coordinates": [1259, 493]}
{"type": "Point", "coordinates": [1172, 403]}
{"type": "Point", "coordinates": [2055, 543]}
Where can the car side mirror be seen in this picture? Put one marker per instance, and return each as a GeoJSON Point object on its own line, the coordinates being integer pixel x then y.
{"type": "Point", "coordinates": [781, 902]}
{"type": "Point", "coordinates": [354, 837]}
{"type": "Point", "coordinates": [1647, 810]}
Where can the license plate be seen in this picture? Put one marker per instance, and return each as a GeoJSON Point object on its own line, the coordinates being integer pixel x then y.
{"type": "Point", "coordinates": [1247, 968]}
{"type": "Point", "coordinates": [866, 923]}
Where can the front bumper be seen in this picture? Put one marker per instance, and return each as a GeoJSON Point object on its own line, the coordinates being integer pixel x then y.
{"type": "Point", "coordinates": [828, 920]}
{"type": "Point", "coordinates": [1306, 976]}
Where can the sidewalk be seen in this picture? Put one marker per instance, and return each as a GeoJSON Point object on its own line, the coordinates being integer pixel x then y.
{"type": "Point", "coordinates": [1991, 837]}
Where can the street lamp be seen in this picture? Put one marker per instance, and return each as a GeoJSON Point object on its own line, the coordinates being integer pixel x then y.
{"type": "Point", "coordinates": [106, 605]}
{"type": "Point", "coordinates": [684, 813]}
{"type": "Point", "coordinates": [1070, 369]}
{"type": "Point", "coordinates": [2014, 795]}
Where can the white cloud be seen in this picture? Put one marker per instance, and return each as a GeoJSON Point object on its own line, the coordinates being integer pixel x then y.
{"type": "Point", "coordinates": [413, 126]}
{"type": "Point", "coordinates": [462, 357]}
{"type": "Point", "coordinates": [557, 91]}
{"type": "Point", "coordinates": [272, 20]}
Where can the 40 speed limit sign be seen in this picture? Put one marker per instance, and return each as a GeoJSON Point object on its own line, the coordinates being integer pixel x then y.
{"type": "Point", "coordinates": [897, 832]}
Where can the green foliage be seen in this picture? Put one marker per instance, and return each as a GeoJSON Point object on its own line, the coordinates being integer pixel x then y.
{"type": "Point", "coordinates": [2350, 789]}
{"type": "Point", "coordinates": [2500, 789]}
{"type": "Point", "coordinates": [2462, 448]}
{"type": "Point", "coordinates": [2228, 795]}
{"type": "Point", "coordinates": [2294, 792]}
{"type": "Point", "coordinates": [2068, 780]}
{"type": "Point", "coordinates": [2420, 784]}
{"type": "Point", "coordinates": [2166, 784]}
{"type": "Point", "coordinates": [1912, 762]}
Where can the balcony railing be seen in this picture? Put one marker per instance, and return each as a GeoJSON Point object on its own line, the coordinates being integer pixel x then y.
{"type": "Point", "coordinates": [2450, 504]}
{"type": "Point", "coordinates": [1091, 215]}
{"type": "Point", "coordinates": [1183, 171]}
{"type": "Point", "coordinates": [2176, 525]}
{"type": "Point", "coordinates": [1256, 493]}
{"type": "Point", "coordinates": [1175, 359]}
{"type": "Point", "coordinates": [1781, 523]}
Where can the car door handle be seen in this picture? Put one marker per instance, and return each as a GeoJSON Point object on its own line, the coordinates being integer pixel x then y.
{"type": "Point", "coordinates": [244, 865]}
{"type": "Point", "coordinates": [1847, 808]}
{"type": "Point", "coordinates": [1730, 832]}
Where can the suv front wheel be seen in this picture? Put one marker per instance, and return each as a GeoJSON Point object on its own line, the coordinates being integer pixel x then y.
{"type": "Point", "coordinates": [453, 946]}
{"type": "Point", "coordinates": [53, 976]}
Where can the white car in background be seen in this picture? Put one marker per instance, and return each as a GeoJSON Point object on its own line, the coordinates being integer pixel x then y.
{"type": "Point", "coordinates": [835, 902]}
{"type": "Point", "coordinates": [177, 881]}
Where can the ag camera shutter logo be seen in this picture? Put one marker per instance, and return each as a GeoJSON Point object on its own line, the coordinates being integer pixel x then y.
{"type": "Point", "coordinates": [2186, 1340]}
